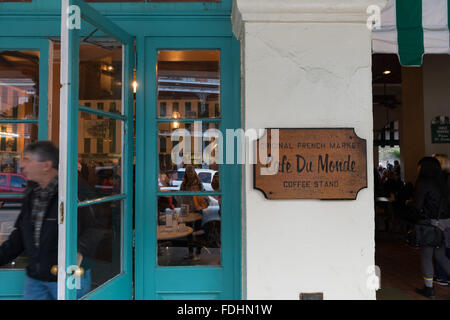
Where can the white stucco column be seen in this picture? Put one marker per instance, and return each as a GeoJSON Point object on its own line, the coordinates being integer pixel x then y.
{"type": "Point", "coordinates": [307, 64]}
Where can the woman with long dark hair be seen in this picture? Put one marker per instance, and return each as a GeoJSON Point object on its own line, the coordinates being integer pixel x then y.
{"type": "Point", "coordinates": [431, 203]}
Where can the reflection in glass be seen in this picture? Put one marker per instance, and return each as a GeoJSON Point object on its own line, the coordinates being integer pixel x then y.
{"type": "Point", "coordinates": [100, 241]}
{"type": "Point", "coordinates": [100, 156]}
{"type": "Point", "coordinates": [188, 84]}
{"type": "Point", "coordinates": [170, 174]}
{"type": "Point", "coordinates": [19, 84]}
{"type": "Point", "coordinates": [9, 211]}
{"type": "Point", "coordinates": [101, 75]}
{"type": "Point", "coordinates": [13, 139]}
{"type": "Point", "coordinates": [189, 230]}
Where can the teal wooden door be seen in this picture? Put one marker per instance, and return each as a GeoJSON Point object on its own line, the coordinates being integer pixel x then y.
{"type": "Point", "coordinates": [23, 120]}
{"type": "Point", "coordinates": [96, 150]}
{"type": "Point", "coordinates": [188, 243]}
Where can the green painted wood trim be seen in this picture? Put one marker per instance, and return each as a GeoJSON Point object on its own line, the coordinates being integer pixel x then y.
{"type": "Point", "coordinates": [72, 154]}
{"type": "Point", "coordinates": [40, 25]}
{"type": "Point", "coordinates": [187, 193]}
{"type": "Point", "coordinates": [13, 280]}
{"type": "Point", "coordinates": [12, 284]}
{"type": "Point", "coordinates": [43, 90]}
{"type": "Point", "coordinates": [41, 45]}
{"type": "Point", "coordinates": [122, 285]}
{"type": "Point", "coordinates": [127, 172]}
{"type": "Point", "coordinates": [101, 200]}
{"type": "Point", "coordinates": [147, 284]}
{"type": "Point", "coordinates": [11, 195]}
{"type": "Point", "coordinates": [236, 180]}
{"type": "Point", "coordinates": [111, 290]}
{"type": "Point", "coordinates": [102, 113]}
{"type": "Point", "coordinates": [18, 121]}
{"type": "Point", "coordinates": [93, 17]}
{"type": "Point", "coordinates": [188, 120]}
{"type": "Point", "coordinates": [140, 196]}
{"type": "Point", "coordinates": [154, 8]}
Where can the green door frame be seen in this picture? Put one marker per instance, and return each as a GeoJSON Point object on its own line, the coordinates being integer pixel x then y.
{"type": "Point", "coordinates": [119, 287]}
{"type": "Point", "coordinates": [13, 280]}
{"type": "Point", "coordinates": [152, 281]}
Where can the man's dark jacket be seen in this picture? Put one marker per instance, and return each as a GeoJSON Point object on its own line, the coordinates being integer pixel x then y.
{"type": "Point", "coordinates": [42, 259]}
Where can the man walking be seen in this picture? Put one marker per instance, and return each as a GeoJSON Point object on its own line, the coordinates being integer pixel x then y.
{"type": "Point", "coordinates": [36, 228]}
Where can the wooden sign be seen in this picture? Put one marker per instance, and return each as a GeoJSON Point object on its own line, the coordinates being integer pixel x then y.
{"type": "Point", "coordinates": [312, 164]}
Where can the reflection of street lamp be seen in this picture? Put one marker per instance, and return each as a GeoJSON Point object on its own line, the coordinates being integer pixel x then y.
{"type": "Point", "coordinates": [135, 85]}
{"type": "Point", "coordinates": [175, 115]}
{"type": "Point", "coordinates": [175, 125]}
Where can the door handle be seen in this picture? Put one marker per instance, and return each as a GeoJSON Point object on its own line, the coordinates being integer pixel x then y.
{"type": "Point", "coordinates": [61, 213]}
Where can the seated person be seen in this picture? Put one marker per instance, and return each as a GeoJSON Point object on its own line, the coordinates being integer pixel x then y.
{"type": "Point", "coordinates": [191, 182]}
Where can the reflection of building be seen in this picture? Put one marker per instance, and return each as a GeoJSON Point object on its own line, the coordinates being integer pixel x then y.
{"type": "Point", "coordinates": [189, 108]}
{"type": "Point", "coordinates": [98, 135]}
{"type": "Point", "coordinates": [191, 91]}
{"type": "Point", "coordinates": [19, 72]}
{"type": "Point", "coordinates": [165, 143]}
{"type": "Point", "coordinates": [17, 101]}
{"type": "Point", "coordinates": [189, 94]}
{"type": "Point", "coordinates": [17, 98]}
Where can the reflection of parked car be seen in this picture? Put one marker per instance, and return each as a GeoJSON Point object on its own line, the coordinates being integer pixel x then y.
{"type": "Point", "coordinates": [205, 175]}
{"type": "Point", "coordinates": [12, 183]}
{"type": "Point", "coordinates": [105, 179]}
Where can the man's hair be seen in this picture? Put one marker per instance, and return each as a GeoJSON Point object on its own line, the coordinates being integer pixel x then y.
{"type": "Point", "coordinates": [44, 151]}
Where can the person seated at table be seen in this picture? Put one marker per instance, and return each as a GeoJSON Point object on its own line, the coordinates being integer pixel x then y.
{"type": "Point", "coordinates": [191, 182]}
{"type": "Point", "coordinates": [216, 187]}
{"type": "Point", "coordinates": [211, 222]}
{"type": "Point", "coordinates": [163, 180]}
{"type": "Point", "coordinates": [209, 236]}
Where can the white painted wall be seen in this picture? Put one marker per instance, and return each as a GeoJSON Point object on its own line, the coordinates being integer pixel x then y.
{"type": "Point", "coordinates": [436, 91]}
{"type": "Point", "coordinates": [302, 74]}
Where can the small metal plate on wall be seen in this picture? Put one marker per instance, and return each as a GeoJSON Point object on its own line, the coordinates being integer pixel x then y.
{"type": "Point", "coordinates": [311, 296]}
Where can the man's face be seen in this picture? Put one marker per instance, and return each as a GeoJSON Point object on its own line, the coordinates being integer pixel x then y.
{"type": "Point", "coordinates": [32, 169]}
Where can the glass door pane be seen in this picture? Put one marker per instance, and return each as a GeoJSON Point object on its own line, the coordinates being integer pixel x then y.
{"type": "Point", "coordinates": [99, 196]}
{"type": "Point", "coordinates": [100, 164]}
{"type": "Point", "coordinates": [19, 101]}
{"type": "Point", "coordinates": [189, 227]}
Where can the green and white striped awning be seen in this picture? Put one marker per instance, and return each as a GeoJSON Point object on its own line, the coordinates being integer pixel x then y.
{"type": "Point", "coordinates": [412, 28]}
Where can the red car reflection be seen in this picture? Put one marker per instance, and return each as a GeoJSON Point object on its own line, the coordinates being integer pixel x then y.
{"type": "Point", "coordinates": [12, 183]}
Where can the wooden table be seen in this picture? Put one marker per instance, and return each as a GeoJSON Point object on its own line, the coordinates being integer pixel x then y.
{"type": "Point", "coordinates": [191, 217]}
{"type": "Point", "coordinates": [165, 233]}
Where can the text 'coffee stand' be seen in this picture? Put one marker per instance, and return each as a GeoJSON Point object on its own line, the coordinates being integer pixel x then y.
{"type": "Point", "coordinates": [313, 164]}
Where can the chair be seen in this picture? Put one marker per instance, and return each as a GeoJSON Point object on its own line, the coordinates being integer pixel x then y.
{"type": "Point", "coordinates": [211, 235]}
